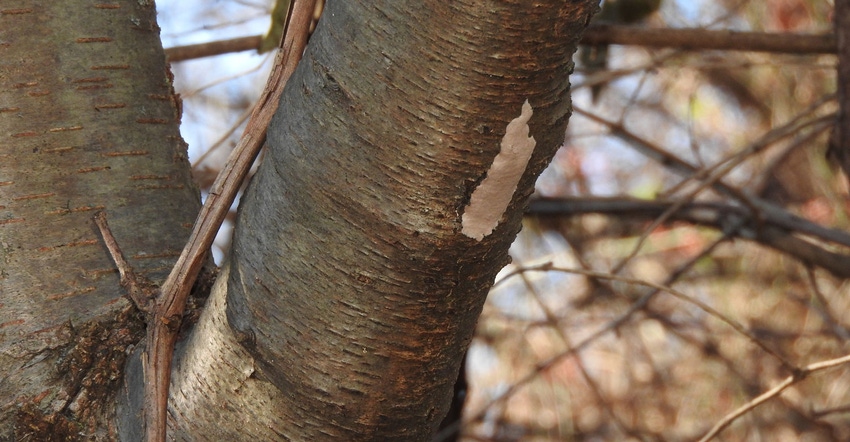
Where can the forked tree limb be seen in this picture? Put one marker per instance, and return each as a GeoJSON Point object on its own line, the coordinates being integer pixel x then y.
{"type": "Point", "coordinates": [168, 310]}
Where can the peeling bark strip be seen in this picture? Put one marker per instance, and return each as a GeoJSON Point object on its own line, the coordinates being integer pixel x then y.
{"type": "Point", "coordinates": [491, 198]}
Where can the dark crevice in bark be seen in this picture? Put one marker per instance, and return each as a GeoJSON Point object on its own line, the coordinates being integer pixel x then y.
{"type": "Point", "coordinates": [92, 369]}
{"type": "Point", "coordinates": [451, 426]}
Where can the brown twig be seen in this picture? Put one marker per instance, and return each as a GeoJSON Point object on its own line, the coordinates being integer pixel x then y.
{"type": "Point", "coordinates": [762, 207]}
{"type": "Point", "coordinates": [705, 39]}
{"type": "Point", "coordinates": [163, 328]}
{"type": "Point", "coordinates": [796, 377]}
{"type": "Point", "coordinates": [681, 296]}
{"type": "Point", "coordinates": [140, 289]}
{"type": "Point", "coordinates": [776, 233]}
{"type": "Point", "coordinates": [200, 50]}
{"type": "Point", "coordinates": [711, 176]}
{"type": "Point", "coordinates": [638, 305]}
{"type": "Point", "coordinates": [822, 306]}
{"type": "Point", "coordinates": [554, 323]}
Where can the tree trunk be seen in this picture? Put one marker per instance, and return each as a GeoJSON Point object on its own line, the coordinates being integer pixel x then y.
{"type": "Point", "coordinates": [366, 244]}
{"type": "Point", "coordinates": [352, 282]}
{"type": "Point", "coordinates": [88, 122]}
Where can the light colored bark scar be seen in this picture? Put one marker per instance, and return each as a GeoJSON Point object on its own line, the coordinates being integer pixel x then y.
{"type": "Point", "coordinates": [491, 198]}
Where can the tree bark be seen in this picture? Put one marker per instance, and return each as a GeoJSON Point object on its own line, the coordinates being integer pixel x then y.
{"type": "Point", "coordinates": [351, 282]}
{"type": "Point", "coordinates": [89, 122]}
{"type": "Point", "coordinates": [356, 276]}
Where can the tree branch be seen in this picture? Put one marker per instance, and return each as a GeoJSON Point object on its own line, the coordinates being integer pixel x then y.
{"type": "Point", "coordinates": [761, 207]}
{"type": "Point", "coordinates": [596, 34]}
{"type": "Point", "coordinates": [794, 378]}
{"type": "Point", "coordinates": [706, 39]}
{"type": "Point", "coordinates": [140, 290]}
{"type": "Point", "coordinates": [769, 230]}
{"type": "Point", "coordinates": [200, 50]}
{"type": "Point", "coordinates": [839, 143]}
{"type": "Point", "coordinates": [163, 328]}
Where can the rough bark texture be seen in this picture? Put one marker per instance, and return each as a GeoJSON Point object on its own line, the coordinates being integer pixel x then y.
{"type": "Point", "coordinates": [88, 122]}
{"type": "Point", "coordinates": [214, 394]}
{"type": "Point", "coordinates": [352, 292]}
{"type": "Point", "coordinates": [351, 283]}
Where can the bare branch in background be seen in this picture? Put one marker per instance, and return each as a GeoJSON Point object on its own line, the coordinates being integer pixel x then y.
{"type": "Point", "coordinates": [798, 376]}
{"type": "Point", "coordinates": [686, 39]}
{"type": "Point", "coordinates": [771, 229]}
{"type": "Point", "coordinates": [200, 50]}
{"type": "Point", "coordinates": [706, 39]}
{"type": "Point", "coordinates": [840, 141]}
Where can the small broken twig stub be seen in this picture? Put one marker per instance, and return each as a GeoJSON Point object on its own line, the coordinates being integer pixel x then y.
{"type": "Point", "coordinates": [140, 289]}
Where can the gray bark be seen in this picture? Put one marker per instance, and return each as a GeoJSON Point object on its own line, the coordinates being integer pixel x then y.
{"type": "Point", "coordinates": [352, 290]}
{"type": "Point", "coordinates": [88, 122]}
{"type": "Point", "coordinates": [351, 283]}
